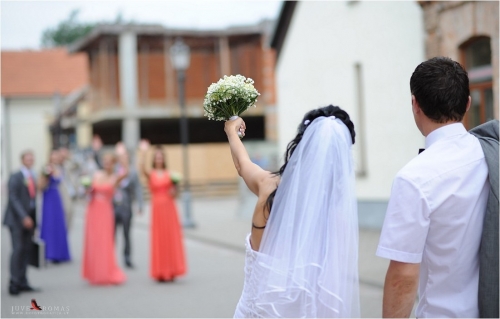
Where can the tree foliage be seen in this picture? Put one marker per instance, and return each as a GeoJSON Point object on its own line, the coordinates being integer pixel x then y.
{"type": "Point", "coordinates": [67, 31]}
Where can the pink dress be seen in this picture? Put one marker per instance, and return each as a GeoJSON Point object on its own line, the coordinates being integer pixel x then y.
{"type": "Point", "coordinates": [99, 259]}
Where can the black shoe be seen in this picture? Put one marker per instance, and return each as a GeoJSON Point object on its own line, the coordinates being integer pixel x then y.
{"type": "Point", "coordinates": [166, 280]}
{"type": "Point", "coordinates": [128, 263]}
{"type": "Point", "coordinates": [14, 290]}
{"type": "Point", "coordinates": [29, 288]}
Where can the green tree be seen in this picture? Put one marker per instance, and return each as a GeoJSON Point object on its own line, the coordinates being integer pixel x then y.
{"type": "Point", "coordinates": [67, 31]}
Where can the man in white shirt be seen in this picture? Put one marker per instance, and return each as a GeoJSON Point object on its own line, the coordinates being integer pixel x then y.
{"type": "Point", "coordinates": [432, 229]}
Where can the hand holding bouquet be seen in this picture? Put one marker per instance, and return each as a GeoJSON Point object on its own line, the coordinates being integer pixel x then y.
{"type": "Point", "coordinates": [235, 125]}
{"type": "Point", "coordinates": [229, 98]}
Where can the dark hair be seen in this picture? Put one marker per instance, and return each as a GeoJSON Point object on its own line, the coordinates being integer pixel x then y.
{"type": "Point", "coordinates": [159, 148]}
{"type": "Point", "coordinates": [310, 116]}
{"type": "Point", "coordinates": [441, 88]}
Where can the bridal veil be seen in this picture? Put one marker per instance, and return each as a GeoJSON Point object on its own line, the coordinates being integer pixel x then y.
{"type": "Point", "coordinates": [307, 265]}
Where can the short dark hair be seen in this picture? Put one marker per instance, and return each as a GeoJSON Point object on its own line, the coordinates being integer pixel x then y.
{"type": "Point", "coordinates": [441, 88]}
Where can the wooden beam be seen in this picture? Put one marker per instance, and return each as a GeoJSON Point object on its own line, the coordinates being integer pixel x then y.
{"type": "Point", "coordinates": [169, 73]}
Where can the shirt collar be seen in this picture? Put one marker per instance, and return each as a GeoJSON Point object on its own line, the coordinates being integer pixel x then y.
{"type": "Point", "coordinates": [27, 172]}
{"type": "Point", "coordinates": [444, 132]}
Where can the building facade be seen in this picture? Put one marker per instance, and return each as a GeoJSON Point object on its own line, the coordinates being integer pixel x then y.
{"type": "Point", "coordinates": [358, 55]}
{"type": "Point", "coordinates": [134, 92]}
{"type": "Point", "coordinates": [133, 86]}
{"type": "Point", "coordinates": [37, 86]}
{"type": "Point", "coordinates": [467, 32]}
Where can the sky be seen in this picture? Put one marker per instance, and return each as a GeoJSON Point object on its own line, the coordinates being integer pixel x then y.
{"type": "Point", "coordinates": [22, 22]}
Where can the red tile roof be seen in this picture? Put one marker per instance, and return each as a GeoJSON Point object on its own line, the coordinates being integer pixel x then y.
{"type": "Point", "coordinates": [41, 73]}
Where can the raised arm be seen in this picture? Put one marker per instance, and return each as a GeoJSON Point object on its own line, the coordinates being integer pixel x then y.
{"type": "Point", "coordinates": [251, 173]}
{"type": "Point", "coordinates": [141, 162]}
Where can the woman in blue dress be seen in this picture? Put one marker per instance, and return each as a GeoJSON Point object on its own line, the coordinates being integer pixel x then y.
{"type": "Point", "coordinates": [53, 230]}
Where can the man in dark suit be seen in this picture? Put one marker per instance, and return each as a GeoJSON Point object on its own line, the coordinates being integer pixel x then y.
{"type": "Point", "coordinates": [20, 217]}
{"type": "Point", "coordinates": [130, 189]}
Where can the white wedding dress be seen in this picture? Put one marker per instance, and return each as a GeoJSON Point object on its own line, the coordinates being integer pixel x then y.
{"type": "Point", "coordinates": [244, 307]}
{"type": "Point", "coordinates": [307, 263]}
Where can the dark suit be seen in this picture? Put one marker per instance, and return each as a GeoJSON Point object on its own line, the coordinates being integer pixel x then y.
{"type": "Point", "coordinates": [20, 204]}
{"type": "Point", "coordinates": [488, 252]}
{"type": "Point", "coordinates": [130, 189]}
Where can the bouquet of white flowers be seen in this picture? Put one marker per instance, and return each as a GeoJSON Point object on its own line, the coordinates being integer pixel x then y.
{"type": "Point", "coordinates": [229, 97]}
{"type": "Point", "coordinates": [175, 177]}
{"type": "Point", "coordinates": [86, 181]}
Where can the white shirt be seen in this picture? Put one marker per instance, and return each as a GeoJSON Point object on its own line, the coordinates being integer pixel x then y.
{"type": "Point", "coordinates": [435, 218]}
{"type": "Point", "coordinates": [27, 173]}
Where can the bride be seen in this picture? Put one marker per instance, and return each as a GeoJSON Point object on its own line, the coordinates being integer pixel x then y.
{"type": "Point", "coordinates": [302, 252]}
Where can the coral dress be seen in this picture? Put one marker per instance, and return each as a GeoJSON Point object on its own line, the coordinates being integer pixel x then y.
{"type": "Point", "coordinates": [167, 248]}
{"type": "Point", "coordinates": [99, 259]}
{"type": "Point", "coordinates": [53, 230]}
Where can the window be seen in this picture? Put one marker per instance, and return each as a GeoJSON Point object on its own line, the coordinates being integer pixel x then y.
{"type": "Point", "coordinates": [476, 58]}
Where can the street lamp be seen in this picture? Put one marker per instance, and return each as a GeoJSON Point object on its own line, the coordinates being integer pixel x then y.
{"type": "Point", "coordinates": [180, 56]}
{"type": "Point", "coordinates": [56, 125]}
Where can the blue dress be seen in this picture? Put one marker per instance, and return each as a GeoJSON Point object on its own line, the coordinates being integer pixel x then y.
{"type": "Point", "coordinates": [53, 224]}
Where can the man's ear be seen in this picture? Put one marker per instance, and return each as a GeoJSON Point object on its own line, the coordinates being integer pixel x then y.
{"type": "Point", "coordinates": [414, 105]}
{"type": "Point", "coordinates": [469, 102]}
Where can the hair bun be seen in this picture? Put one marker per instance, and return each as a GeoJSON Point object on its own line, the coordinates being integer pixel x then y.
{"type": "Point", "coordinates": [328, 111]}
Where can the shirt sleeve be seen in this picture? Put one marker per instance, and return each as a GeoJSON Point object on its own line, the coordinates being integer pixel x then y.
{"type": "Point", "coordinates": [406, 224]}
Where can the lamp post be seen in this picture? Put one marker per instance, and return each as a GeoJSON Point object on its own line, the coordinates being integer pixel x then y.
{"type": "Point", "coordinates": [180, 56]}
{"type": "Point", "coordinates": [56, 126]}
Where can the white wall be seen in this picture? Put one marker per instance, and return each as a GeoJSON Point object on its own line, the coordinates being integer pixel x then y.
{"type": "Point", "coordinates": [84, 127]}
{"type": "Point", "coordinates": [28, 120]}
{"type": "Point", "coordinates": [316, 67]}
{"type": "Point", "coordinates": [3, 157]}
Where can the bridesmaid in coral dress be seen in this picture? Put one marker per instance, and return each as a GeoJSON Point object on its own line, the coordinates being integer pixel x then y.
{"type": "Point", "coordinates": [167, 248]}
{"type": "Point", "coordinates": [99, 259]}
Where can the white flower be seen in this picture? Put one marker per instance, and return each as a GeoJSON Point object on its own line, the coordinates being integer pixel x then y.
{"type": "Point", "coordinates": [231, 95]}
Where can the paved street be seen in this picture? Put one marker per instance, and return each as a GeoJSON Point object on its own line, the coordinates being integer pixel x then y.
{"type": "Point", "coordinates": [215, 253]}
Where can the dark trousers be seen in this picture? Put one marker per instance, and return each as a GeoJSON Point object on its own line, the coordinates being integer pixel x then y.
{"type": "Point", "coordinates": [125, 219]}
{"type": "Point", "coordinates": [21, 249]}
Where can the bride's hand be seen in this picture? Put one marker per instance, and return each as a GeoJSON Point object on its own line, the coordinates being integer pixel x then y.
{"type": "Point", "coordinates": [235, 126]}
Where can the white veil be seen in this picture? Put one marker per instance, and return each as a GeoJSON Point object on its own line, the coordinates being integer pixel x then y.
{"type": "Point", "coordinates": [307, 264]}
